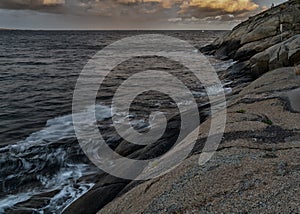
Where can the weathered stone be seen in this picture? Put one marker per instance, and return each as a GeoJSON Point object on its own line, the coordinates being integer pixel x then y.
{"type": "Point", "coordinates": [268, 28]}
{"type": "Point", "coordinates": [252, 48]}
{"type": "Point", "coordinates": [254, 170]}
{"type": "Point", "coordinates": [283, 54]}
{"type": "Point", "coordinates": [259, 64]}
{"type": "Point", "coordinates": [259, 33]}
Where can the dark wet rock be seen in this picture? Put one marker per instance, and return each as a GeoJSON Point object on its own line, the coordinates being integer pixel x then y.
{"type": "Point", "coordinates": [105, 190]}
{"type": "Point", "coordinates": [237, 68]}
{"type": "Point", "coordinates": [125, 148]}
{"type": "Point", "coordinates": [109, 187]}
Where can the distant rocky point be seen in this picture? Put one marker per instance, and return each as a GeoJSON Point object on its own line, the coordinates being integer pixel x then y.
{"type": "Point", "coordinates": [7, 29]}
{"type": "Point", "coordinates": [264, 42]}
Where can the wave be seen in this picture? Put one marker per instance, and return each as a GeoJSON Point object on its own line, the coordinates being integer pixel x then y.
{"type": "Point", "coordinates": [48, 160]}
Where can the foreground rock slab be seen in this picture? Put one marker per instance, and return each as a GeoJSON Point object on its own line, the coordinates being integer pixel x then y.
{"type": "Point", "coordinates": [256, 168]}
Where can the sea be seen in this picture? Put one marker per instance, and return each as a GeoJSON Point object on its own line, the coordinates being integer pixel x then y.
{"type": "Point", "coordinates": [42, 167]}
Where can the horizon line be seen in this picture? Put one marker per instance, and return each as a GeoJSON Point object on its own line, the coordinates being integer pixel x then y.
{"type": "Point", "coordinates": [30, 29]}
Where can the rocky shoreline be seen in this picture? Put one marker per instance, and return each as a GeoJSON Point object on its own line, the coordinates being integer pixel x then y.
{"type": "Point", "coordinates": [264, 42]}
{"type": "Point", "coordinates": [256, 167]}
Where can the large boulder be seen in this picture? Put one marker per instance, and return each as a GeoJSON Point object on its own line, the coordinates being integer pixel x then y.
{"type": "Point", "coordinates": [281, 55]}
{"type": "Point", "coordinates": [262, 30]}
{"type": "Point", "coordinates": [250, 49]}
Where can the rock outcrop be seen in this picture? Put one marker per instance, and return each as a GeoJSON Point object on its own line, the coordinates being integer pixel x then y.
{"type": "Point", "coordinates": [255, 169]}
{"type": "Point", "coordinates": [281, 55]}
{"type": "Point", "coordinates": [264, 42]}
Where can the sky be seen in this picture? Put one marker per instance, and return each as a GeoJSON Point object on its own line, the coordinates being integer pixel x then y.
{"type": "Point", "coordinates": [128, 14]}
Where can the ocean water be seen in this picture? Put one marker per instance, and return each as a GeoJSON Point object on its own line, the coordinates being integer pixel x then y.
{"type": "Point", "coordinates": [42, 168]}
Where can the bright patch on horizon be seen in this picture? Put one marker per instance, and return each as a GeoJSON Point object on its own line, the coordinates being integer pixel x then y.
{"type": "Point", "coordinates": [53, 2]}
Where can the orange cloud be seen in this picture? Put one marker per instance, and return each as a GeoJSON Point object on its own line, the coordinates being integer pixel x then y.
{"type": "Point", "coordinates": [164, 3]}
{"type": "Point", "coordinates": [138, 9]}
{"type": "Point", "coordinates": [53, 2]}
{"type": "Point", "coordinates": [229, 6]}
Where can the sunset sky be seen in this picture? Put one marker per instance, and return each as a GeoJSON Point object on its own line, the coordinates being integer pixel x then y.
{"type": "Point", "coordinates": [128, 14]}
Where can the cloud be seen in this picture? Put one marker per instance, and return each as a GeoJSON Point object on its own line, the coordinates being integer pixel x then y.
{"type": "Point", "coordinates": [228, 17]}
{"type": "Point", "coordinates": [175, 20]}
{"type": "Point", "coordinates": [143, 12]}
{"type": "Point", "coordinates": [220, 19]}
{"type": "Point", "coordinates": [230, 6]}
{"type": "Point", "coordinates": [53, 2]}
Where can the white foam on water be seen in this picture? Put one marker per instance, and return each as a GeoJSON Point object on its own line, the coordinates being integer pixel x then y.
{"type": "Point", "coordinates": [65, 179]}
{"type": "Point", "coordinates": [66, 197]}
{"type": "Point", "coordinates": [57, 129]}
{"type": "Point", "coordinates": [214, 90]}
{"type": "Point", "coordinates": [220, 65]}
{"type": "Point", "coordinates": [11, 200]}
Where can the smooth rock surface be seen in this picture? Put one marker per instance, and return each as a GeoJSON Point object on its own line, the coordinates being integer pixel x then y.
{"type": "Point", "coordinates": [281, 55]}
{"type": "Point", "coordinates": [255, 169]}
{"type": "Point", "coordinates": [294, 98]}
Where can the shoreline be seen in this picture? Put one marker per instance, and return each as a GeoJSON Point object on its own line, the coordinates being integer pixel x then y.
{"type": "Point", "coordinates": [259, 154]}
{"type": "Point", "coordinates": [255, 168]}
